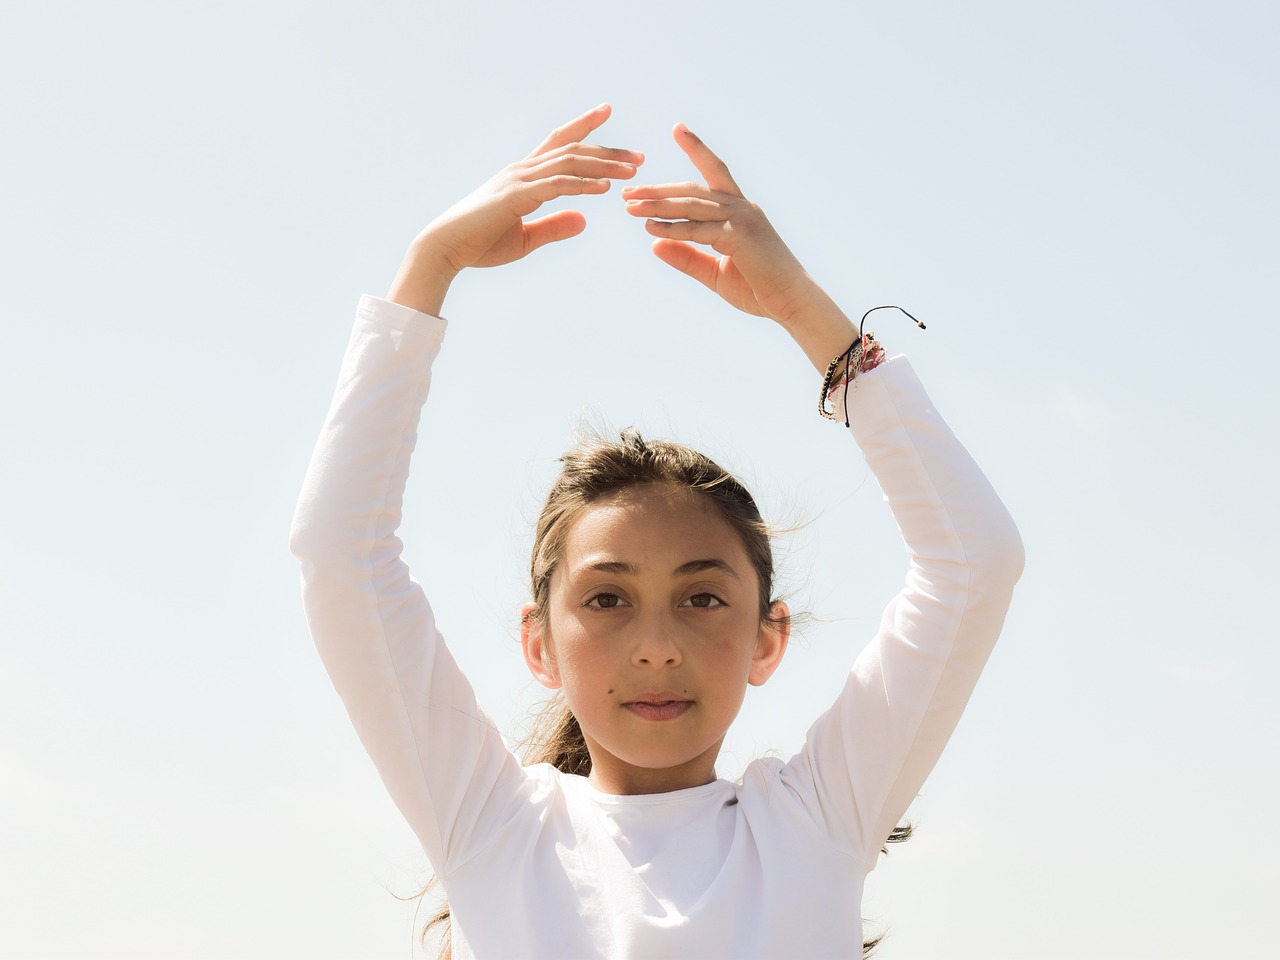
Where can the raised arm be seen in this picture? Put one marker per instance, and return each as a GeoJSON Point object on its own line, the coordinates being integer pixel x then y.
{"type": "Point", "coordinates": [440, 757]}
{"type": "Point", "coordinates": [865, 759]}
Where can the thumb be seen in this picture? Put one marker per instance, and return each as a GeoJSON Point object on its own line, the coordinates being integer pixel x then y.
{"type": "Point", "coordinates": [556, 226]}
{"type": "Point", "coordinates": [688, 259]}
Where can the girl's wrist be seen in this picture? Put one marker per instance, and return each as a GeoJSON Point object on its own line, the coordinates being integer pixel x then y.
{"type": "Point", "coordinates": [820, 328]}
{"type": "Point", "coordinates": [423, 279]}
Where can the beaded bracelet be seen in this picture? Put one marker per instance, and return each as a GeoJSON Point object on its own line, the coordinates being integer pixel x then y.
{"type": "Point", "coordinates": [865, 353]}
{"type": "Point", "coordinates": [827, 385]}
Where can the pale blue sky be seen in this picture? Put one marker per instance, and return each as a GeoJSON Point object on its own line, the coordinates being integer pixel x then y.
{"type": "Point", "coordinates": [1079, 199]}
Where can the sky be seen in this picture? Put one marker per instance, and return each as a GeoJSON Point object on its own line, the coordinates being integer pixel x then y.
{"type": "Point", "coordinates": [1080, 201]}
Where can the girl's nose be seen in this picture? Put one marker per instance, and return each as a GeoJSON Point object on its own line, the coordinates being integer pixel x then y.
{"type": "Point", "coordinates": [655, 643]}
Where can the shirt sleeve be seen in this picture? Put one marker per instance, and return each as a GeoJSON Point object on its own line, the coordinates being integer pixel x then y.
{"type": "Point", "coordinates": [865, 759]}
{"type": "Point", "coordinates": [441, 758]}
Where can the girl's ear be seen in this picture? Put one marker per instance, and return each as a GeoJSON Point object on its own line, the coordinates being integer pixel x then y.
{"type": "Point", "coordinates": [771, 643]}
{"type": "Point", "coordinates": [537, 647]}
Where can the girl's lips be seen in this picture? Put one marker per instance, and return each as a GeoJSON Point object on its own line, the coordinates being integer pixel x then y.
{"type": "Point", "coordinates": [660, 710]}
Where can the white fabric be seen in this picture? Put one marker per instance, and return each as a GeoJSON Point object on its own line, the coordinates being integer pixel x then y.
{"type": "Point", "coordinates": [540, 864]}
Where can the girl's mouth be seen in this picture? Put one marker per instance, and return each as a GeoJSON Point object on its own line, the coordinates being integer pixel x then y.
{"type": "Point", "coordinates": [658, 710]}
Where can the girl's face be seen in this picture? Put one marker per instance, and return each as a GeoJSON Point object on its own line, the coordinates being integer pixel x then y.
{"type": "Point", "coordinates": [653, 632]}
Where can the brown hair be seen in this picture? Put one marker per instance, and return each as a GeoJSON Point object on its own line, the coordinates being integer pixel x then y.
{"type": "Point", "coordinates": [597, 468]}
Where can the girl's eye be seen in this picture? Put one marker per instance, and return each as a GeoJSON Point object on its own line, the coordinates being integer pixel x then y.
{"type": "Point", "coordinates": [604, 601]}
{"type": "Point", "coordinates": [704, 601]}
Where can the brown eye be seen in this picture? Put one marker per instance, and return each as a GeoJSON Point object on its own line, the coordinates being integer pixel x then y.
{"type": "Point", "coordinates": [704, 601]}
{"type": "Point", "coordinates": [604, 601]}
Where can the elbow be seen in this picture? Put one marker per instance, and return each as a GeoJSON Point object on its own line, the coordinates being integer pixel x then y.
{"type": "Point", "coordinates": [305, 537]}
{"type": "Point", "coordinates": [313, 541]}
{"type": "Point", "coordinates": [330, 565]}
{"type": "Point", "coordinates": [1015, 556]}
{"type": "Point", "coordinates": [306, 545]}
{"type": "Point", "coordinates": [992, 552]}
{"type": "Point", "coordinates": [339, 550]}
{"type": "Point", "coordinates": [1004, 555]}
{"type": "Point", "coordinates": [325, 531]}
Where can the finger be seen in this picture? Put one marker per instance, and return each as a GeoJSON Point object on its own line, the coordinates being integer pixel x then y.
{"type": "Point", "coordinates": [549, 188]}
{"type": "Point", "coordinates": [662, 191]}
{"type": "Point", "coordinates": [556, 226]}
{"type": "Point", "coordinates": [576, 129]}
{"type": "Point", "coordinates": [683, 208]}
{"type": "Point", "coordinates": [577, 149]}
{"type": "Point", "coordinates": [581, 166]}
{"type": "Point", "coordinates": [705, 233]}
{"type": "Point", "coordinates": [712, 168]}
{"type": "Point", "coordinates": [698, 264]}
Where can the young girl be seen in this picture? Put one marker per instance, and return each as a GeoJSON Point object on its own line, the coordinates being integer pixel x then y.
{"type": "Point", "coordinates": [651, 611]}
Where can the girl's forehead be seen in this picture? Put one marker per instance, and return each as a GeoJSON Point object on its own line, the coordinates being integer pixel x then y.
{"type": "Point", "coordinates": [650, 517]}
{"type": "Point", "coordinates": [655, 501]}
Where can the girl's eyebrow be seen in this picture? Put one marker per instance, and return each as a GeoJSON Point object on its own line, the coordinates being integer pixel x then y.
{"type": "Point", "coordinates": [693, 566]}
{"type": "Point", "coordinates": [711, 563]}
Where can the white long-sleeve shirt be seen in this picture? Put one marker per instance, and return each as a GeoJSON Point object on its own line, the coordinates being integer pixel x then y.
{"type": "Point", "coordinates": [537, 863]}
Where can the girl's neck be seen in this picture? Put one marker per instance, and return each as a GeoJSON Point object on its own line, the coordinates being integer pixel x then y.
{"type": "Point", "coordinates": [612, 775]}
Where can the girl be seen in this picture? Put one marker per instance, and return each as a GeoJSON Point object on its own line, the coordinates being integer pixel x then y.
{"type": "Point", "coordinates": [651, 611]}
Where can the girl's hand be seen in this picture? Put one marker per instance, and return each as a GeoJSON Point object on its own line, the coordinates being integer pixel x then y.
{"type": "Point", "coordinates": [487, 228]}
{"type": "Point", "coordinates": [755, 271]}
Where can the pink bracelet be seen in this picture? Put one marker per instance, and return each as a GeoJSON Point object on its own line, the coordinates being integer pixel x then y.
{"type": "Point", "coordinates": [852, 358]}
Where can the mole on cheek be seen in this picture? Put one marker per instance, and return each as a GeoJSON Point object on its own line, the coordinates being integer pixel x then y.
{"type": "Point", "coordinates": [611, 689]}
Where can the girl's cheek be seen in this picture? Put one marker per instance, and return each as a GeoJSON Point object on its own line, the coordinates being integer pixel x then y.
{"type": "Point", "coordinates": [578, 649]}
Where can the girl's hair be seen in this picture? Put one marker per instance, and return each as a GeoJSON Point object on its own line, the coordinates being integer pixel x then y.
{"type": "Point", "coordinates": [598, 468]}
